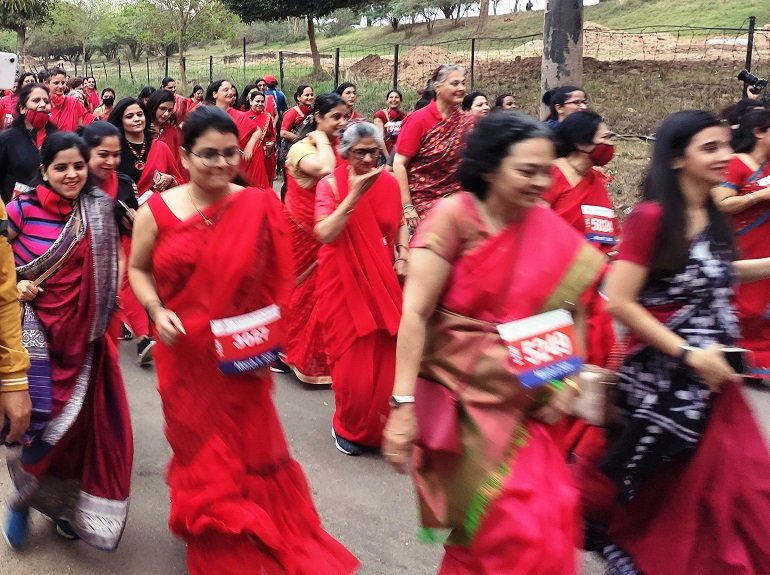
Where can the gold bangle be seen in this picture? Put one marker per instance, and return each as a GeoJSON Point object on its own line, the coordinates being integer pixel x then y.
{"type": "Point", "coordinates": [350, 211]}
{"type": "Point", "coordinates": [573, 385]}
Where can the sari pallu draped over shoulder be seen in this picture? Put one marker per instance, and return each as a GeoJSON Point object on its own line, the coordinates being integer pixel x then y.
{"type": "Point", "coordinates": [431, 173]}
{"type": "Point", "coordinates": [238, 499]}
{"type": "Point", "coordinates": [510, 483]}
{"type": "Point", "coordinates": [78, 466]}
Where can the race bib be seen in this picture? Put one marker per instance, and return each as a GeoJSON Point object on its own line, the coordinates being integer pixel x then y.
{"type": "Point", "coordinates": [764, 182]}
{"type": "Point", "coordinates": [600, 224]}
{"type": "Point", "coordinates": [542, 347]}
{"type": "Point", "coordinates": [250, 341]}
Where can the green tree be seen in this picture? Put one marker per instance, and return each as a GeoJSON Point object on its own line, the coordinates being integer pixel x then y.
{"type": "Point", "coordinates": [272, 10]}
{"type": "Point", "coordinates": [20, 15]}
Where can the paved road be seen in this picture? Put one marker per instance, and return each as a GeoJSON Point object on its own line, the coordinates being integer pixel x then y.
{"type": "Point", "coordinates": [362, 502]}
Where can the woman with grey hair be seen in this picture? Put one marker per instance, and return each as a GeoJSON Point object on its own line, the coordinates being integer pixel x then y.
{"type": "Point", "coordinates": [429, 145]}
{"type": "Point", "coordinates": [359, 221]}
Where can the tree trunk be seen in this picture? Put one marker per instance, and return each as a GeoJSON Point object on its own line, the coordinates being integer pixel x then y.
{"type": "Point", "coordinates": [313, 46]}
{"type": "Point", "coordinates": [394, 24]}
{"type": "Point", "coordinates": [21, 44]}
{"type": "Point", "coordinates": [481, 29]}
{"type": "Point", "coordinates": [562, 45]}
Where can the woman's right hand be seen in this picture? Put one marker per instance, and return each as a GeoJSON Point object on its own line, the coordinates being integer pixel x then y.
{"type": "Point", "coordinates": [168, 324]}
{"type": "Point", "coordinates": [712, 367]}
{"type": "Point", "coordinates": [411, 217]}
{"type": "Point", "coordinates": [27, 290]}
{"type": "Point", "coordinates": [398, 437]}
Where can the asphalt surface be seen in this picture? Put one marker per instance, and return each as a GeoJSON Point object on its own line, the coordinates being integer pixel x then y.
{"type": "Point", "coordinates": [361, 500]}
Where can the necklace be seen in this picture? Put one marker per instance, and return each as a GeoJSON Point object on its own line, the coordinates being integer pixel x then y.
{"type": "Point", "coordinates": [197, 209]}
{"type": "Point", "coordinates": [140, 155]}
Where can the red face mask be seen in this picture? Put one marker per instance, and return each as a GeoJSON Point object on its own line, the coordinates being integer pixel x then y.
{"type": "Point", "coordinates": [37, 118]}
{"type": "Point", "coordinates": [602, 154]}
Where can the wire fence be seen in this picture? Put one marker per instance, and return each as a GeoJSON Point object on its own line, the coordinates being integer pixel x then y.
{"type": "Point", "coordinates": [633, 76]}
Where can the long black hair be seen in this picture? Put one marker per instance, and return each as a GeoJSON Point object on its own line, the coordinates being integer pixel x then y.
{"type": "Point", "coordinates": [157, 98]}
{"type": "Point", "coordinates": [661, 185]}
{"type": "Point", "coordinates": [208, 97]}
{"type": "Point", "coordinates": [753, 120]}
{"type": "Point", "coordinates": [470, 98]}
{"type": "Point", "coordinates": [557, 97]}
{"type": "Point", "coordinates": [60, 142]}
{"type": "Point", "coordinates": [116, 116]}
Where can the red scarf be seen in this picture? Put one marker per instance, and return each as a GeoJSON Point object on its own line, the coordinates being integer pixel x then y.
{"type": "Point", "coordinates": [53, 202]}
{"type": "Point", "coordinates": [305, 109]}
{"type": "Point", "coordinates": [57, 100]}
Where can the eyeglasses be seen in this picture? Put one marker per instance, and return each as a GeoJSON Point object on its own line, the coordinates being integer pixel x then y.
{"type": "Point", "coordinates": [577, 102]}
{"type": "Point", "coordinates": [210, 157]}
{"type": "Point", "coordinates": [360, 154]}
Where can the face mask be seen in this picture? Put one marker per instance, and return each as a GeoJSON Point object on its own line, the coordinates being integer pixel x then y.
{"type": "Point", "coordinates": [37, 118]}
{"type": "Point", "coordinates": [108, 101]}
{"type": "Point", "coordinates": [602, 154]}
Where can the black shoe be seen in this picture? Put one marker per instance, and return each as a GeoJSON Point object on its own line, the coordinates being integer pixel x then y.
{"type": "Point", "coordinates": [126, 334]}
{"type": "Point", "coordinates": [345, 446]}
{"type": "Point", "coordinates": [65, 530]}
{"type": "Point", "coordinates": [278, 366]}
{"type": "Point", "coordinates": [144, 350]}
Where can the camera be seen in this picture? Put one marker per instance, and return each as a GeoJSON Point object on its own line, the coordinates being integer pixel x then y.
{"type": "Point", "coordinates": [755, 83]}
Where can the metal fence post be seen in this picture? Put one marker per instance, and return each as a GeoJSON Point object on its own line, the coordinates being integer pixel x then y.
{"type": "Point", "coordinates": [104, 67]}
{"type": "Point", "coordinates": [119, 74]}
{"type": "Point", "coordinates": [280, 68]}
{"type": "Point", "coordinates": [395, 66]}
{"type": "Point", "coordinates": [244, 60]}
{"type": "Point", "coordinates": [336, 67]}
{"type": "Point", "coordinates": [211, 69]}
{"type": "Point", "coordinates": [148, 71]}
{"type": "Point", "coordinates": [166, 74]}
{"type": "Point", "coordinates": [749, 49]}
{"type": "Point", "coordinates": [130, 71]}
{"type": "Point", "coordinates": [473, 62]}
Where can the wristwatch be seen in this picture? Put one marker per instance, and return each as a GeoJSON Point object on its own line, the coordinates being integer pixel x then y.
{"type": "Point", "coordinates": [397, 401]}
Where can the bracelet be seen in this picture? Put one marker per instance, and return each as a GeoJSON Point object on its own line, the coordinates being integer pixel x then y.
{"type": "Point", "coordinates": [686, 349]}
{"type": "Point", "coordinates": [400, 260]}
{"type": "Point", "coordinates": [408, 206]}
{"type": "Point", "coordinates": [350, 211]}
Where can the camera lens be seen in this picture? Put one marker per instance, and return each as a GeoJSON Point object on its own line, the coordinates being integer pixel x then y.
{"type": "Point", "coordinates": [13, 60]}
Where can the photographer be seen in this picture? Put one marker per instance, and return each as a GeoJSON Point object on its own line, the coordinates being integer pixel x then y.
{"type": "Point", "coordinates": [753, 87]}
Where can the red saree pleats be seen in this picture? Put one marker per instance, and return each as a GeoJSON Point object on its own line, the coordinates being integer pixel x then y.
{"type": "Point", "coordinates": [159, 159]}
{"type": "Point", "coordinates": [238, 499]}
{"type": "Point", "coordinates": [304, 347]}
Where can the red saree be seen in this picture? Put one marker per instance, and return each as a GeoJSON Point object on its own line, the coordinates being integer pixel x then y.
{"type": "Point", "coordinates": [260, 169]}
{"type": "Point", "coordinates": [431, 173]}
{"type": "Point", "coordinates": [79, 467]}
{"type": "Point", "coordinates": [68, 116]}
{"type": "Point", "coordinates": [238, 499]}
{"type": "Point", "coordinates": [359, 302]}
{"type": "Point", "coordinates": [159, 159]}
{"type": "Point", "coordinates": [304, 347]}
{"type": "Point", "coordinates": [513, 508]}
{"type": "Point", "coordinates": [171, 135]}
{"type": "Point", "coordinates": [751, 227]}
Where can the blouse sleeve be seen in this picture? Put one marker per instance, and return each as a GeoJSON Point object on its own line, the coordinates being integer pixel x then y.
{"type": "Point", "coordinates": [442, 231]}
{"type": "Point", "coordinates": [15, 216]}
{"type": "Point", "coordinates": [735, 175]}
{"type": "Point", "coordinates": [287, 123]}
{"type": "Point", "coordinates": [640, 234]}
{"type": "Point", "coordinates": [408, 143]}
{"type": "Point", "coordinates": [325, 202]}
{"type": "Point", "coordinates": [380, 115]}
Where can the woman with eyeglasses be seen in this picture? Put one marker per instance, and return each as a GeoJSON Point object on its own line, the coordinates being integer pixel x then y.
{"type": "Point", "coordinates": [562, 102]}
{"type": "Point", "coordinates": [205, 253]}
{"type": "Point", "coordinates": [359, 221]}
{"type": "Point", "coordinates": [259, 154]}
{"type": "Point", "coordinates": [312, 157]}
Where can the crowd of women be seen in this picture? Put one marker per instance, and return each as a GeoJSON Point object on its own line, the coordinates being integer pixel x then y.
{"type": "Point", "coordinates": [447, 271]}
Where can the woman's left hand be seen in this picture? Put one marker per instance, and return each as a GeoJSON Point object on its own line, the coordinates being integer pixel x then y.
{"type": "Point", "coordinates": [163, 182]}
{"type": "Point", "coordinates": [400, 268]}
{"type": "Point", "coordinates": [398, 436]}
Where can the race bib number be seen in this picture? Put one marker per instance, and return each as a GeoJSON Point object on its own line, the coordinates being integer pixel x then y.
{"type": "Point", "coordinates": [247, 342]}
{"type": "Point", "coordinates": [600, 224]}
{"type": "Point", "coordinates": [764, 182]}
{"type": "Point", "coordinates": [542, 347]}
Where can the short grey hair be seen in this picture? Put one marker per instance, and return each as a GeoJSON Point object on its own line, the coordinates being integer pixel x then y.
{"type": "Point", "coordinates": [357, 132]}
{"type": "Point", "coordinates": [443, 71]}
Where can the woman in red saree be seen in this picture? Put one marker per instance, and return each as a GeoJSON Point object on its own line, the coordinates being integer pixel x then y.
{"type": "Point", "coordinates": [578, 193]}
{"type": "Point", "coordinates": [75, 465]}
{"type": "Point", "coordinates": [291, 122]}
{"type": "Point", "coordinates": [360, 223]}
{"type": "Point", "coordinates": [311, 158]}
{"type": "Point", "coordinates": [498, 479]}
{"type": "Point", "coordinates": [260, 153]}
{"type": "Point", "coordinates": [222, 94]}
{"type": "Point", "coordinates": [684, 454]}
{"type": "Point", "coordinates": [745, 195]}
{"type": "Point", "coordinates": [429, 145]}
{"type": "Point", "coordinates": [66, 113]}
{"type": "Point", "coordinates": [206, 251]}
{"type": "Point", "coordinates": [163, 125]}
{"type": "Point", "coordinates": [347, 91]}
{"type": "Point", "coordinates": [153, 168]}
{"type": "Point", "coordinates": [91, 94]}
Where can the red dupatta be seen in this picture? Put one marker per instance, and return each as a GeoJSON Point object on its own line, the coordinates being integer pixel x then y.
{"type": "Point", "coordinates": [159, 159]}
{"type": "Point", "coordinates": [358, 289]}
{"type": "Point", "coordinates": [67, 116]}
{"type": "Point", "coordinates": [431, 173]}
{"type": "Point", "coordinates": [171, 135]}
{"type": "Point", "coordinates": [257, 166]}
